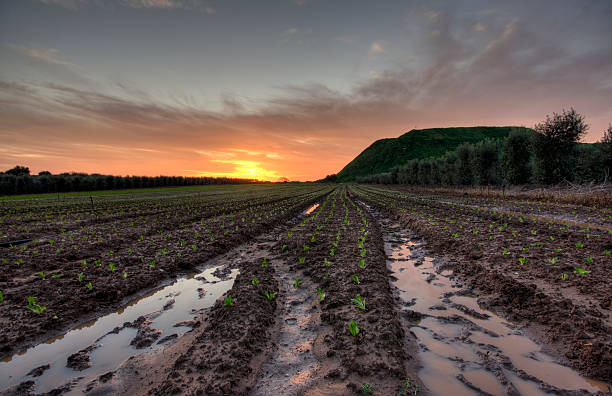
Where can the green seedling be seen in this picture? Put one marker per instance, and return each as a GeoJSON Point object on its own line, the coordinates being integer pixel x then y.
{"type": "Point", "coordinates": [362, 263]}
{"type": "Point", "coordinates": [42, 274]}
{"type": "Point", "coordinates": [152, 265]}
{"type": "Point", "coordinates": [321, 294]}
{"type": "Point", "coordinates": [554, 260]}
{"type": "Point", "coordinates": [80, 277]}
{"type": "Point", "coordinates": [312, 239]}
{"type": "Point", "coordinates": [326, 262]}
{"type": "Point", "coordinates": [228, 301]}
{"type": "Point", "coordinates": [359, 302]}
{"type": "Point", "coordinates": [353, 328]}
{"type": "Point", "coordinates": [297, 282]}
{"type": "Point", "coordinates": [581, 271]}
{"type": "Point", "coordinates": [579, 245]}
{"type": "Point", "coordinates": [1, 297]}
{"type": "Point", "coordinates": [55, 276]}
{"type": "Point", "coordinates": [124, 275]}
{"type": "Point", "coordinates": [564, 276]}
{"type": "Point", "coordinates": [264, 263]}
{"type": "Point", "coordinates": [332, 252]}
{"type": "Point", "coordinates": [505, 252]}
{"type": "Point", "coordinates": [606, 252]}
{"type": "Point", "coordinates": [526, 250]}
{"type": "Point", "coordinates": [34, 306]}
{"type": "Point", "coordinates": [255, 281]}
{"type": "Point", "coordinates": [533, 232]}
{"type": "Point", "coordinates": [363, 252]}
{"type": "Point", "coordinates": [112, 267]}
{"type": "Point", "coordinates": [283, 248]}
{"type": "Point", "coordinates": [590, 260]}
{"type": "Point", "coordinates": [270, 296]}
{"type": "Point", "coordinates": [306, 248]}
{"type": "Point", "coordinates": [366, 389]}
{"type": "Point", "coordinates": [355, 279]}
{"type": "Point", "coordinates": [522, 260]}
{"type": "Point", "coordinates": [89, 286]}
{"type": "Point", "coordinates": [326, 276]}
{"type": "Point", "coordinates": [84, 263]}
{"type": "Point", "coordinates": [301, 259]}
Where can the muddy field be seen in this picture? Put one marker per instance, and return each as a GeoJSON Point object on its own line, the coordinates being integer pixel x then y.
{"type": "Point", "coordinates": [305, 289]}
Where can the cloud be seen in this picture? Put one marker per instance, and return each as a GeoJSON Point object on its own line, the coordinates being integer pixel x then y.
{"type": "Point", "coordinates": [377, 48]}
{"type": "Point", "coordinates": [480, 27]}
{"type": "Point", "coordinates": [511, 73]}
{"type": "Point", "coordinates": [288, 34]}
{"type": "Point", "coordinates": [44, 55]}
{"type": "Point", "coordinates": [153, 4]}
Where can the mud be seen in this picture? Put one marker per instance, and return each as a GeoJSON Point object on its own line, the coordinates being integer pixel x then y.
{"type": "Point", "coordinates": [57, 270]}
{"type": "Point", "coordinates": [571, 320]}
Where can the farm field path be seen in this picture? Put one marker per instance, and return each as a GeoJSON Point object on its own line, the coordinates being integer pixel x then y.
{"type": "Point", "coordinates": [474, 349]}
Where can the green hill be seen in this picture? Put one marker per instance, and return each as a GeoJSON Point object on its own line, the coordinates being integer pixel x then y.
{"type": "Point", "coordinates": [384, 154]}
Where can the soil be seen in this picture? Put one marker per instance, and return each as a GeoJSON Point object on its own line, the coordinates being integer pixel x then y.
{"type": "Point", "coordinates": [240, 348]}
{"type": "Point", "coordinates": [68, 301]}
{"type": "Point", "coordinates": [573, 318]}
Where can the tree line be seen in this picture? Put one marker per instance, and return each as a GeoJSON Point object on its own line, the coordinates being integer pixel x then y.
{"type": "Point", "coordinates": [19, 181]}
{"type": "Point", "coordinates": [548, 156]}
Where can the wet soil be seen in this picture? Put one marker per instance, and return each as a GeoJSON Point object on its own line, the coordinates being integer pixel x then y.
{"type": "Point", "coordinates": [571, 317]}
{"type": "Point", "coordinates": [473, 349]}
{"type": "Point", "coordinates": [118, 268]}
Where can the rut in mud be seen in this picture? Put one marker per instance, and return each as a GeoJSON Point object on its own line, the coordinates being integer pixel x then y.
{"type": "Point", "coordinates": [473, 349]}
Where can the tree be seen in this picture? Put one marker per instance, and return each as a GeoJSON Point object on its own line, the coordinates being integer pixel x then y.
{"type": "Point", "coordinates": [486, 161]}
{"type": "Point", "coordinates": [464, 164]}
{"type": "Point", "coordinates": [554, 143]}
{"type": "Point", "coordinates": [516, 155]}
{"type": "Point", "coordinates": [19, 170]}
{"type": "Point", "coordinates": [606, 152]}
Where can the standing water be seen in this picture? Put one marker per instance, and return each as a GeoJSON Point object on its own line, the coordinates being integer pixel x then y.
{"type": "Point", "coordinates": [464, 349]}
{"type": "Point", "coordinates": [165, 314]}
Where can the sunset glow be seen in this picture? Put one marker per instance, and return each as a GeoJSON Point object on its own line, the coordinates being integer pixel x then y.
{"type": "Point", "coordinates": [276, 91]}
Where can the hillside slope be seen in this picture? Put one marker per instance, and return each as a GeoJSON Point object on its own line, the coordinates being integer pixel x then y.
{"type": "Point", "coordinates": [384, 154]}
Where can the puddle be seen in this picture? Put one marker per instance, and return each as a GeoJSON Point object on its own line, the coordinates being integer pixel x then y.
{"type": "Point", "coordinates": [165, 307]}
{"type": "Point", "coordinates": [293, 364]}
{"type": "Point", "coordinates": [465, 349]}
{"type": "Point", "coordinates": [311, 209]}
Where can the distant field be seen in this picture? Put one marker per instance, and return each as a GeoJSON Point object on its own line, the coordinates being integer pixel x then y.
{"type": "Point", "coordinates": [121, 192]}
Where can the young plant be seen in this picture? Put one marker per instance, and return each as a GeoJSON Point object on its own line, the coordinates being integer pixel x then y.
{"type": "Point", "coordinates": [564, 276]}
{"type": "Point", "coordinates": [42, 274]}
{"type": "Point", "coordinates": [326, 262]}
{"type": "Point", "coordinates": [270, 296]}
{"type": "Point", "coordinates": [297, 282]}
{"type": "Point", "coordinates": [581, 271]}
{"type": "Point", "coordinates": [522, 260]}
{"type": "Point", "coordinates": [112, 267]}
{"type": "Point", "coordinates": [34, 306]}
{"type": "Point", "coordinates": [1, 297]}
{"type": "Point", "coordinates": [321, 294]}
{"type": "Point", "coordinates": [355, 279]}
{"type": "Point", "coordinates": [362, 263]}
{"type": "Point", "coordinates": [89, 286]}
{"type": "Point", "coordinates": [359, 302]}
{"type": "Point", "coordinates": [264, 263]}
{"type": "Point", "coordinates": [353, 328]}
{"type": "Point", "coordinates": [366, 389]}
{"type": "Point", "coordinates": [80, 277]}
{"type": "Point", "coordinates": [255, 281]}
{"type": "Point", "coordinates": [228, 301]}
{"type": "Point", "coordinates": [301, 259]}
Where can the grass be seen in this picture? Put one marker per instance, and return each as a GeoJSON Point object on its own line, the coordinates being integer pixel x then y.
{"type": "Point", "coordinates": [384, 154]}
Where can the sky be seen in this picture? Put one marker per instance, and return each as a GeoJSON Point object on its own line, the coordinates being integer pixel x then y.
{"type": "Point", "coordinates": [282, 89]}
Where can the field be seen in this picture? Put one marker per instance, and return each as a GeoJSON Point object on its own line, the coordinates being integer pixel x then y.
{"type": "Point", "coordinates": [304, 289]}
